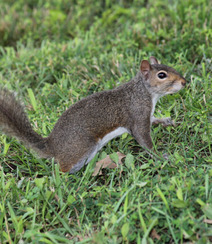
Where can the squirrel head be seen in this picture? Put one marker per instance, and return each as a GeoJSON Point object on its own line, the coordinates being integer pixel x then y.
{"type": "Point", "coordinates": [161, 79]}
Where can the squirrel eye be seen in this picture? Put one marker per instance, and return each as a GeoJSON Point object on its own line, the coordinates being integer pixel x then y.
{"type": "Point", "coordinates": [162, 75]}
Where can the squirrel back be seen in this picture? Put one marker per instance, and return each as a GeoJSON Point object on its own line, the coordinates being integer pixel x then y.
{"type": "Point", "coordinates": [89, 124]}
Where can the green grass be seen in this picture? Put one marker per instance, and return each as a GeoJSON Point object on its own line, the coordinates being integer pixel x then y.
{"type": "Point", "coordinates": [52, 54]}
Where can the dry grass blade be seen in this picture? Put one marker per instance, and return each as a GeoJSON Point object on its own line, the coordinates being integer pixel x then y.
{"type": "Point", "coordinates": [208, 221]}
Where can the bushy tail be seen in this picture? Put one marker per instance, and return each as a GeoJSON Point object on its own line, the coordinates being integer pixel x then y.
{"type": "Point", "coordinates": [14, 122]}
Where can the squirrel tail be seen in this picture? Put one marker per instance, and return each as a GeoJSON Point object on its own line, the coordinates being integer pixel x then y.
{"type": "Point", "coordinates": [14, 122]}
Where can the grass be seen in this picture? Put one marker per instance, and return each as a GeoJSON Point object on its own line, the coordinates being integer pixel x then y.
{"type": "Point", "coordinates": [53, 53]}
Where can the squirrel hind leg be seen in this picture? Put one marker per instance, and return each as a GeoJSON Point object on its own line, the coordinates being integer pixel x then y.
{"type": "Point", "coordinates": [74, 164]}
{"type": "Point", "coordinates": [83, 161]}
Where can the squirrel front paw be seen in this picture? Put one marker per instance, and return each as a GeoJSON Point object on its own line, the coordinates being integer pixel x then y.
{"type": "Point", "coordinates": [168, 122]}
{"type": "Point", "coordinates": [164, 121]}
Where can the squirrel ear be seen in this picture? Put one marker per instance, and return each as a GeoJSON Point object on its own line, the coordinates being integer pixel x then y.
{"type": "Point", "coordinates": [145, 67]}
{"type": "Point", "coordinates": [153, 60]}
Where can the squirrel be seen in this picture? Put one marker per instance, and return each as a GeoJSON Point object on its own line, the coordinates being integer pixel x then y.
{"type": "Point", "coordinates": [86, 126]}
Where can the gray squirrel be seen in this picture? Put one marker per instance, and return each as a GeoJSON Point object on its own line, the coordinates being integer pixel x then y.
{"type": "Point", "coordinates": [89, 124]}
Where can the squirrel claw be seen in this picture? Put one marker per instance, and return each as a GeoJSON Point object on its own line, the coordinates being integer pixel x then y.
{"type": "Point", "coordinates": [165, 156]}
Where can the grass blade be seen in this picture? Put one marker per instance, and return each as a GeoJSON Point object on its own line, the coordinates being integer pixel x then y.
{"type": "Point", "coordinates": [32, 99]}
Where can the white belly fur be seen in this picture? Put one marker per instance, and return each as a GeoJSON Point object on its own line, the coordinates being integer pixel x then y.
{"type": "Point", "coordinates": [155, 98]}
{"type": "Point", "coordinates": [117, 132]}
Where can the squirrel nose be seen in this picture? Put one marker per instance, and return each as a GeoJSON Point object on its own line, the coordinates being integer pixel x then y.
{"type": "Point", "coordinates": [183, 82]}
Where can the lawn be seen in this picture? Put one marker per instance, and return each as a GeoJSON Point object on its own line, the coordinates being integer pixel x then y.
{"type": "Point", "coordinates": [56, 52]}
